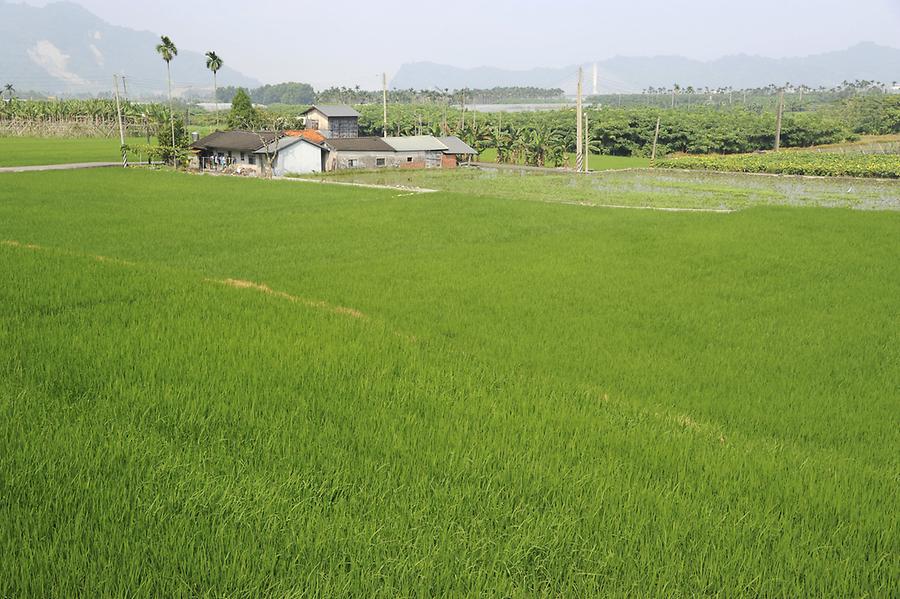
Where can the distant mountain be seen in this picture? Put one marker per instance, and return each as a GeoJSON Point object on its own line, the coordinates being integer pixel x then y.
{"type": "Point", "coordinates": [621, 74]}
{"type": "Point", "coordinates": [63, 48]}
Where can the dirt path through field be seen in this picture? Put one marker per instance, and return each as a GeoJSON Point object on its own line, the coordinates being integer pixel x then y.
{"type": "Point", "coordinates": [57, 167]}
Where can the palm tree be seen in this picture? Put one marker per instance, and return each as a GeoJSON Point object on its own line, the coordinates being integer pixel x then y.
{"type": "Point", "coordinates": [166, 48]}
{"type": "Point", "coordinates": [9, 89]}
{"type": "Point", "coordinates": [214, 63]}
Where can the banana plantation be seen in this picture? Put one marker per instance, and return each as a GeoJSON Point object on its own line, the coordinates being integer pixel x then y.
{"type": "Point", "coordinates": [77, 118]}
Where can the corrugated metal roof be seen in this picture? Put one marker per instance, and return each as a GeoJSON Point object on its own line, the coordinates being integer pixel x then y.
{"type": "Point", "coordinates": [334, 110]}
{"type": "Point", "coordinates": [457, 146]}
{"type": "Point", "coordinates": [416, 143]}
{"type": "Point", "coordinates": [358, 144]}
{"type": "Point", "coordinates": [239, 141]}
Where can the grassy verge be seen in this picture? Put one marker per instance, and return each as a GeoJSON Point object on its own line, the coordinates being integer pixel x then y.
{"type": "Point", "coordinates": [828, 164]}
{"type": "Point", "coordinates": [439, 394]}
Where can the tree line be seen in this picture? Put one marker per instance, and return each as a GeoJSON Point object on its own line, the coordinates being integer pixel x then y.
{"type": "Point", "coordinates": [304, 94]}
{"type": "Point", "coordinates": [544, 138]}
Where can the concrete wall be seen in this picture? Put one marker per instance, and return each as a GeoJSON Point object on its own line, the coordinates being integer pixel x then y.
{"type": "Point", "coordinates": [236, 157]}
{"type": "Point", "coordinates": [315, 115]}
{"type": "Point", "coordinates": [347, 160]}
{"type": "Point", "coordinates": [299, 158]}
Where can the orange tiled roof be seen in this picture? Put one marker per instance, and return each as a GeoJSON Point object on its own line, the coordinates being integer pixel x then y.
{"type": "Point", "coordinates": [310, 134]}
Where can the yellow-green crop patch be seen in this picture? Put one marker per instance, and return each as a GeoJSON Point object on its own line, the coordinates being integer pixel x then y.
{"type": "Point", "coordinates": [824, 164]}
{"type": "Point", "coordinates": [229, 387]}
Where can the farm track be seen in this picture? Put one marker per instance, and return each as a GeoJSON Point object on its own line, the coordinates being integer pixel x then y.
{"type": "Point", "coordinates": [58, 167]}
{"type": "Point", "coordinates": [405, 188]}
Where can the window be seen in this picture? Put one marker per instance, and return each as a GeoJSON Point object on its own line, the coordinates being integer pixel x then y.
{"type": "Point", "coordinates": [251, 159]}
{"type": "Point", "coordinates": [379, 162]}
{"type": "Point", "coordinates": [409, 158]}
{"type": "Point", "coordinates": [243, 157]}
{"type": "Point", "coordinates": [351, 162]}
{"type": "Point", "coordinates": [312, 123]}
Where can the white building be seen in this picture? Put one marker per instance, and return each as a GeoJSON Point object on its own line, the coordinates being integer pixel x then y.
{"type": "Point", "coordinates": [296, 155]}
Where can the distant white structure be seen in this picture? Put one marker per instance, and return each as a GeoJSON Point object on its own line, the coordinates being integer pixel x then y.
{"type": "Point", "coordinates": [214, 106]}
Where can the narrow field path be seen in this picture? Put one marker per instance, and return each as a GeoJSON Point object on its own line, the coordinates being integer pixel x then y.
{"type": "Point", "coordinates": [411, 190]}
{"type": "Point", "coordinates": [57, 167]}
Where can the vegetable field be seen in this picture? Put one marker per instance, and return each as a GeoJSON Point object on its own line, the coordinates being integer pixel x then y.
{"type": "Point", "coordinates": [230, 387]}
{"type": "Point", "coordinates": [826, 164]}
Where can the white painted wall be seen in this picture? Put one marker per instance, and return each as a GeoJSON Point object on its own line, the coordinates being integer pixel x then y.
{"type": "Point", "coordinates": [299, 158]}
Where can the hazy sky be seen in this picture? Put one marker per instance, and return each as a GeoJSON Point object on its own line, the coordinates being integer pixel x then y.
{"type": "Point", "coordinates": [349, 42]}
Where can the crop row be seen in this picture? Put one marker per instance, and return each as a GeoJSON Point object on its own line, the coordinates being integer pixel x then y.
{"type": "Point", "coordinates": [885, 166]}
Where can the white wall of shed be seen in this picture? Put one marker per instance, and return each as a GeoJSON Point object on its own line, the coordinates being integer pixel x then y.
{"type": "Point", "coordinates": [298, 158]}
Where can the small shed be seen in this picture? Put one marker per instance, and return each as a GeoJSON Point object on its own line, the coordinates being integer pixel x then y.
{"type": "Point", "coordinates": [295, 155]}
{"type": "Point", "coordinates": [337, 121]}
{"type": "Point", "coordinates": [456, 150]}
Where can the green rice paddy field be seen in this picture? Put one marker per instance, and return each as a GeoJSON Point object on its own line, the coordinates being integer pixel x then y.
{"type": "Point", "coordinates": [225, 387]}
{"type": "Point", "coordinates": [30, 151]}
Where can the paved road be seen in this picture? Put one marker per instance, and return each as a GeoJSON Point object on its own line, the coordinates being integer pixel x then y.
{"type": "Point", "coordinates": [57, 167]}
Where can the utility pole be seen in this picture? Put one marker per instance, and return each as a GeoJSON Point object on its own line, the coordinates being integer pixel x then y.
{"type": "Point", "coordinates": [462, 113]}
{"type": "Point", "coordinates": [147, 132]}
{"type": "Point", "coordinates": [384, 92]}
{"type": "Point", "coordinates": [587, 145]}
{"type": "Point", "coordinates": [121, 126]}
{"type": "Point", "coordinates": [778, 119]}
{"type": "Point", "coordinates": [579, 134]}
{"type": "Point", "coordinates": [124, 90]}
{"type": "Point", "coordinates": [655, 139]}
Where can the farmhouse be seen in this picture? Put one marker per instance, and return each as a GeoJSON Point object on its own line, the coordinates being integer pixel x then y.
{"type": "Point", "coordinates": [333, 120]}
{"type": "Point", "coordinates": [420, 151]}
{"type": "Point", "coordinates": [246, 151]}
{"type": "Point", "coordinates": [310, 151]}
{"type": "Point", "coordinates": [228, 148]}
{"type": "Point", "coordinates": [359, 152]}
